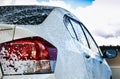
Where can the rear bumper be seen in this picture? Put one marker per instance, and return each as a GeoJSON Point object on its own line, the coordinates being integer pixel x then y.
{"type": "Point", "coordinates": [35, 76]}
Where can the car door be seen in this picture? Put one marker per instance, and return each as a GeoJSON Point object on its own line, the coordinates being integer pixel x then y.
{"type": "Point", "coordinates": [79, 39]}
{"type": "Point", "coordinates": [96, 65]}
{"type": "Point", "coordinates": [80, 42]}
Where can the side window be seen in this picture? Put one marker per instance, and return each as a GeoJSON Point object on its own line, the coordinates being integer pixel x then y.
{"type": "Point", "coordinates": [79, 32]}
{"type": "Point", "coordinates": [92, 44]}
{"type": "Point", "coordinates": [70, 28]}
{"type": "Point", "coordinates": [75, 30]}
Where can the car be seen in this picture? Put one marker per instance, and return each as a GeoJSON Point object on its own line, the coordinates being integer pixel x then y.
{"type": "Point", "coordinates": [46, 42]}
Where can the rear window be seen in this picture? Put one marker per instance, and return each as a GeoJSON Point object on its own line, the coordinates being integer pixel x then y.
{"type": "Point", "coordinates": [24, 15]}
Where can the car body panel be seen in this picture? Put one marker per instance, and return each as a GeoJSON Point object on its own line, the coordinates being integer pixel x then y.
{"type": "Point", "coordinates": [96, 66]}
{"type": "Point", "coordinates": [6, 32]}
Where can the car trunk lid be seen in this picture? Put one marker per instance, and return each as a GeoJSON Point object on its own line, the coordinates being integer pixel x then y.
{"type": "Point", "coordinates": [6, 32]}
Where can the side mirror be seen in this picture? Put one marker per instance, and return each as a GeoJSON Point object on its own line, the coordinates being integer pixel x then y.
{"type": "Point", "coordinates": [110, 53]}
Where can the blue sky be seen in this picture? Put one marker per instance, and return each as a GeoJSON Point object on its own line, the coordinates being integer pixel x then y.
{"type": "Point", "coordinates": [82, 3]}
{"type": "Point", "coordinates": [76, 3]}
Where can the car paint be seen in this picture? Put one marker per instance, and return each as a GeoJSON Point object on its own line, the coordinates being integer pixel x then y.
{"type": "Point", "coordinates": [6, 32]}
{"type": "Point", "coordinates": [71, 60]}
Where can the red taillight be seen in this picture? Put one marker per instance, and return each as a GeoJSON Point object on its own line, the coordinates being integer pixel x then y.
{"type": "Point", "coordinates": [28, 55]}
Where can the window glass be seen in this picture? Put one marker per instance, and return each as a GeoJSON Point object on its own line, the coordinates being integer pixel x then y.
{"type": "Point", "coordinates": [70, 28]}
{"type": "Point", "coordinates": [24, 15]}
{"type": "Point", "coordinates": [91, 41]}
{"type": "Point", "coordinates": [79, 32]}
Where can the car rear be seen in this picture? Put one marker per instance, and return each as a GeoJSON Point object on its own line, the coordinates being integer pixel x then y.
{"type": "Point", "coordinates": [23, 53]}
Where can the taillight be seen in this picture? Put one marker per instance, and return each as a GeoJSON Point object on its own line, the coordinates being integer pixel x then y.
{"type": "Point", "coordinates": [28, 56]}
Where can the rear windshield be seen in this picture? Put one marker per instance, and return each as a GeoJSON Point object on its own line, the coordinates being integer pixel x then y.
{"type": "Point", "coordinates": [24, 15]}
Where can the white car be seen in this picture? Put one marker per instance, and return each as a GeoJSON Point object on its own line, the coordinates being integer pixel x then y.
{"type": "Point", "coordinates": [43, 42]}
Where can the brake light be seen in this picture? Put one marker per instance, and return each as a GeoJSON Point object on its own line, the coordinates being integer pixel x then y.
{"type": "Point", "coordinates": [27, 56]}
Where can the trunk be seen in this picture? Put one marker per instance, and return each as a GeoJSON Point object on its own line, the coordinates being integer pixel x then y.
{"type": "Point", "coordinates": [6, 33]}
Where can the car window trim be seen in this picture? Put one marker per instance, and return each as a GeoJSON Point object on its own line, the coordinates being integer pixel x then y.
{"type": "Point", "coordinates": [83, 27]}
{"type": "Point", "coordinates": [68, 17]}
{"type": "Point", "coordinates": [92, 39]}
{"type": "Point", "coordinates": [73, 29]}
{"type": "Point", "coordinates": [85, 35]}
